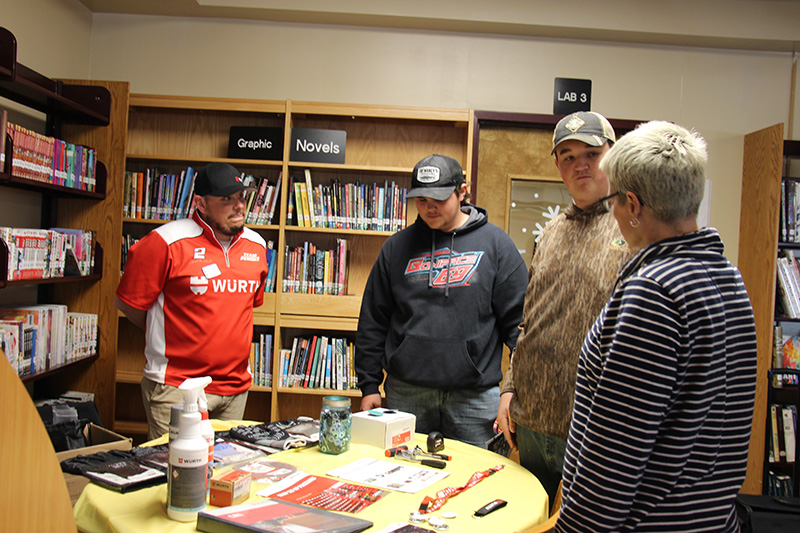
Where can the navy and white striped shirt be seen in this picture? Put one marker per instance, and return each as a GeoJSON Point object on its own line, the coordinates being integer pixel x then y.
{"type": "Point", "coordinates": [664, 396]}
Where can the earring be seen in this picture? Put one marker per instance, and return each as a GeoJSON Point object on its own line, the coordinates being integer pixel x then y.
{"type": "Point", "coordinates": [634, 222]}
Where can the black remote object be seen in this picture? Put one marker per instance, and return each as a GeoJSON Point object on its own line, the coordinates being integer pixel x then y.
{"type": "Point", "coordinates": [489, 508]}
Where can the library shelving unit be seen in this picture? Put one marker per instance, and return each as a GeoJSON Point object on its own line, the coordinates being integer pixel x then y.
{"type": "Point", "coordinates": [83, 113]}
{"type": "Point", "coordinates": [783, 473]}
{"type": "Point", "coordinates": [383, 144]}
{"type": "Point", "coordinates": [767, 162]}
{"type": "Point", "coordinates": [781, 470]}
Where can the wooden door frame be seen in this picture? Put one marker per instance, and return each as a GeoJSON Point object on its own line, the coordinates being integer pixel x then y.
{"type": "Point", "coordinates": [521, 120]}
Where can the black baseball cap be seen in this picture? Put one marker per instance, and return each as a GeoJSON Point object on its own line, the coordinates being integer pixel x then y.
{"type": "Point", "coordinates": [435, 177]}
{"type": "Point", "coordinates": [219, 179]}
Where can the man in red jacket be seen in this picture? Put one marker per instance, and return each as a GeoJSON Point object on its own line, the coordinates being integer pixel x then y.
{"type": "Point", "coordinates": [192, 285]}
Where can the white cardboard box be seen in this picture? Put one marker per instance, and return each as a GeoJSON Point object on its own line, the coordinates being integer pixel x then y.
{"type": "Point", "coordinates": [384, 428]}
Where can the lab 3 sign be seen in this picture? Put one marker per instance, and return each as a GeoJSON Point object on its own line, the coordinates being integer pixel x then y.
{"type": "Point", "coordinates": [571, 95]}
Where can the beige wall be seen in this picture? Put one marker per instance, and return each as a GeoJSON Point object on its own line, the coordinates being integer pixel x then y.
{"type": "Point", "coordinates": [63, 52]}
{"type": "Point", "coordinates": [721, 93]}
{"type": "Point", "coordinates": [53, 36]}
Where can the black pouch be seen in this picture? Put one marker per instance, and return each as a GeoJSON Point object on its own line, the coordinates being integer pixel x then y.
{"type": "Point", "coordinates": [67, 435]}
{"type": "Point", "coordinates": [768, 514]}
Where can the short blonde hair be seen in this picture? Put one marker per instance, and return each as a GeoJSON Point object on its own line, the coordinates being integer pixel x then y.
{"type": "Point", "coordinates": [664, 165]}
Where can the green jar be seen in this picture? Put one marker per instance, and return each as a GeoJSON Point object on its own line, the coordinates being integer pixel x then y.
{"type": "Point", "coordinates": [334, 425]}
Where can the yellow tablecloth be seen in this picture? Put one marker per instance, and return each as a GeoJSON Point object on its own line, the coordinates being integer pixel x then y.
{"type": "Point", "coordinates": [142, 511]}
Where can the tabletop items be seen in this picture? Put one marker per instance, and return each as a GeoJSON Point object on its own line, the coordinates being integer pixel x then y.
{"type": "Point", "coordinates": [350, 483]}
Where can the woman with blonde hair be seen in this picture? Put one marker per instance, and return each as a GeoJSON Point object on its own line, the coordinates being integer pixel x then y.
{"type": "Point", "coordinates": [666, 376]}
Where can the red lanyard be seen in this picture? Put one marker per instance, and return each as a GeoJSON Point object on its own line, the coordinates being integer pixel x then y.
{"type": "Point", "coordinates": [430, 505]}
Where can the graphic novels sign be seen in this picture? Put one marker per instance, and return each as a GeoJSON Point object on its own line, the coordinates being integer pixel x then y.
{"type": "Point", "coordinates": [254, 142]}
{"type": "Point", "coordinates": [318, 146]}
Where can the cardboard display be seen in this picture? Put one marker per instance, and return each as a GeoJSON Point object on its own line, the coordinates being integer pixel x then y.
{"type": "Point", "coordinates": [101, 440]}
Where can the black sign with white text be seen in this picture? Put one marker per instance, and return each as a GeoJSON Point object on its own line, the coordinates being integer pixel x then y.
{"type": "Point", "coordinates": [254, 142]}
{"type": "Point", "coordinates": [318, 146]}
{"type": "Point", "coordinates": [571, 95]}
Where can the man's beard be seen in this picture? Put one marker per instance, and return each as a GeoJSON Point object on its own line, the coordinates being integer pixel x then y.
{"type": "Point", "coordinates": [230, 230]}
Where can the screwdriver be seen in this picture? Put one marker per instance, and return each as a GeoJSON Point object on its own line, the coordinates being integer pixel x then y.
{"type": "Point", "coordinates": [391, 452]}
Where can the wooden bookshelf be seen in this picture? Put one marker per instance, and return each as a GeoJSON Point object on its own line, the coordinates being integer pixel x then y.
{"type": "Point", "coordinates": [92, 114]}
{"type": "Point", "coordinates": [383, 143]}
{"type": "Point", "coordinates": [763, 165]}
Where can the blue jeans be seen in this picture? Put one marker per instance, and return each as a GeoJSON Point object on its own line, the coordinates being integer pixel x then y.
{"type": "Point", "coordinates": [543, 456]}
{"type": "Point", "coordinates": [462, 414]}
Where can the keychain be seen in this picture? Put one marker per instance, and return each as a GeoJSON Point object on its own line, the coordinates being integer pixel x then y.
{"type": "Point", "coordinates": [489, 508]}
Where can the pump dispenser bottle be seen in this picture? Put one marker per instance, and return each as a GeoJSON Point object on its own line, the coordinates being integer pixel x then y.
{"type": "Point", "coordinates": [188, 458]}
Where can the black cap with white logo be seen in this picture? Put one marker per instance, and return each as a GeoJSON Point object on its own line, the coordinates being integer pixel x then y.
{"type": "Point", "coordinates": [436, 177]}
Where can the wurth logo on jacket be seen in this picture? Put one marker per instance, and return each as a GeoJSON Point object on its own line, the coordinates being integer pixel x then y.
{"type": "Point", "coordinates": [457, 266]}
{"type": "Point", "coordinates": [200, 284]}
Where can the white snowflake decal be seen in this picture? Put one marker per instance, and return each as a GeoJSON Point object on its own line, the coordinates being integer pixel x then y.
{"type": "Point", "coordinates": [552, 212]}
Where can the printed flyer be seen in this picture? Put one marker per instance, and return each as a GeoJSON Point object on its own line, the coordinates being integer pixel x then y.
{"type": "Point", "coordinates": [389, 475]}
{"type": "Point", "coordinates": [323, 493]}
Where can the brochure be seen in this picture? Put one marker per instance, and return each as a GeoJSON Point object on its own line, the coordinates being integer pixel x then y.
{"type": "Point", "coordinates": [323, 493]}
{"type": "Point", "coordinates": [389, 474]}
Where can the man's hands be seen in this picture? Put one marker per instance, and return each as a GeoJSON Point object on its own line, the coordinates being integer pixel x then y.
{"type": "Point", "coordinates": [508, 426]}
{"type": "Point", "coordinates": [370, 401]}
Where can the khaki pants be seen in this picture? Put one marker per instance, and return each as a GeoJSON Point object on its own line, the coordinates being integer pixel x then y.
{"type": "Point", "coordinates": [158, 400]}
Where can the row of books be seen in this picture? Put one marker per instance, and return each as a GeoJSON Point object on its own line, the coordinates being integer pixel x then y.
{"type": "Point", "coordinates": [319, 362]}
{"type": "Point", "coordinates": [128, 241]}
{"type": "Point", "coordinates": [779, 484]}
{"type": "Point", "coordinates": [3, 135]}
{"type": "Point", "coordinates": [42, 337]}
{"type": "Point", "coordinates": [261, 360]}
{"type": "Point", "coordinates": [310, 270]}
{"type": "Point", "coordinates": [788, 284]}
{"type": "Point", "coordinates": [346, 205]}
{"type": "Point", "coordinates": [48, 253]}
{"type": "Point", "coordinates": [261, 203]}
{"type": "Point", "coordinates": [38, 157]}
{"type": "Point", "coordinates": [783, 434]}
{"type": "Point", "coordinates": [272, 267]}
{"type": "Point", "coordinates": [156, 195]}
{"type": "Point", "coordinates": [787, 350]}
{"type": "Point", "coordinates": [790, 211]}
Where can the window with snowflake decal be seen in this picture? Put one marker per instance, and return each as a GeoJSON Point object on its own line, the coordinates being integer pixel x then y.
{"type": "Point", "coordinates": [534, 203]}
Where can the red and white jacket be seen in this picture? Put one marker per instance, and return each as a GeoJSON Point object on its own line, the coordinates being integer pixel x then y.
{"type": "Point", "coordinates": [199, 300]}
